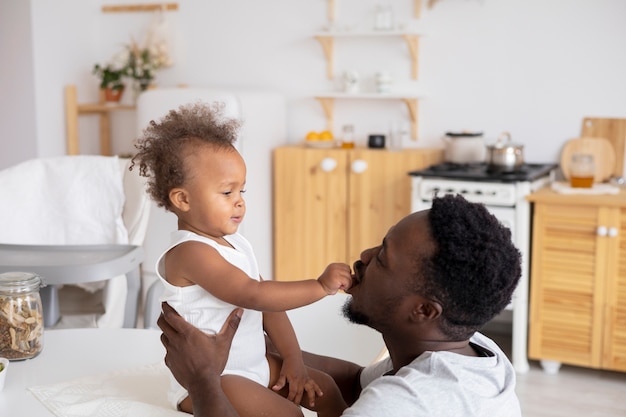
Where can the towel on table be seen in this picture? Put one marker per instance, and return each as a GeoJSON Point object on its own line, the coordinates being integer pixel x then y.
{"type": "Point", "coordinates": [137, 392]}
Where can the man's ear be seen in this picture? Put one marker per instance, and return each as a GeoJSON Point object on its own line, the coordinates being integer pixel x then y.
{"type": "Point", "coordinates": [179, 199]}
{"type": "Point", "coordinates": [425, 309]}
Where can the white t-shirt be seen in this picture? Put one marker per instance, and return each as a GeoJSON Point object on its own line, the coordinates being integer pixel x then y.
{"type": "Point", "coordinates": [439, 384]}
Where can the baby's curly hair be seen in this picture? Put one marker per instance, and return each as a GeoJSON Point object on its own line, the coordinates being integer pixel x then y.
{"type": "Point", "coordinates": [164, 145]}
{"type": "Point", "coordinates": [476, 266]}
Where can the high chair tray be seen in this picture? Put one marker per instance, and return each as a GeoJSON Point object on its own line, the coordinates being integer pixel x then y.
{"type": "Point", "coordinates": [70, 264]}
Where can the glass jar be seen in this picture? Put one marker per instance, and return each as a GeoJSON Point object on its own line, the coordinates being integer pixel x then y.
{"type": "Point", "coordinates": [21, 317]}
{"type": "Point", "coordinates": [582, 171]}
{"type": "Point", "coordinates": [347, 137]}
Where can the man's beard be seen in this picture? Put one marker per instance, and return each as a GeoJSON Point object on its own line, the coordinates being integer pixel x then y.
{"type": "Point", "coordinates": [352, 315]}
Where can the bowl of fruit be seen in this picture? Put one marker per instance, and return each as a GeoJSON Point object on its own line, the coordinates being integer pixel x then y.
{"type": "Point", "coordinates": [323, 139]}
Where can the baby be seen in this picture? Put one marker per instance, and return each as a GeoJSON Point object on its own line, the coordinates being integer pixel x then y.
{"type": "Point", "coordinates": [195, 171]}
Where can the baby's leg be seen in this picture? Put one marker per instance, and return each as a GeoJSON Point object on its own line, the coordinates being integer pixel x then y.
{"type": "Point", "coordinates": [251, 399]}
{"type": "Point", "coordinates": [330, 404]}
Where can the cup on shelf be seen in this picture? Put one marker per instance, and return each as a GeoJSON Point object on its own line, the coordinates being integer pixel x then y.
{"type": "Point", "coordinates": [350, 81]}
{"type": "Point", "coordinates": [383, 81]}
{"type": "Point", "coordinates": [398, 134]}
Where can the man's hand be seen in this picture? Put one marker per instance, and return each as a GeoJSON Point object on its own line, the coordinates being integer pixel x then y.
{"type": "Point", "coordinates": [183, 344]}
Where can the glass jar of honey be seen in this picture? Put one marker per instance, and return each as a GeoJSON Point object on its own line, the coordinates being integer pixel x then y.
{"type": "Point", "coordinates": [582, 171]}
{"type": "Point", "coordinates": [347, 137]}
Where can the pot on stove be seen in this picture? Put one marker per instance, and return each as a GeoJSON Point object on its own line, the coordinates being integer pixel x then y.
{"type": "Point", "coordinates": [505, 156]}
{"type": "Point", "coordinates": [464, 147]}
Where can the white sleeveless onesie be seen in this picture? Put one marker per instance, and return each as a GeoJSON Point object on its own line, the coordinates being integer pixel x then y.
{"type": "Point", "coordinates": [209, 313]}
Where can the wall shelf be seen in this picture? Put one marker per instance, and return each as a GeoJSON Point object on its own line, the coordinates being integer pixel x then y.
{"type": "Point", "coordinates": [327, 101]}
{"type": "Point", "coordinates": [122, 8]}
{"type": "Point", "coordinates": [102, 109]}
{"type": "Point", "coordinates": [327, 40]}
{"type": "Point", "coordinates": [417, 9]}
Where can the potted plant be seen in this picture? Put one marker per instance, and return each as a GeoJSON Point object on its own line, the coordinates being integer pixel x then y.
{"type": "Point", "coordinates": [144, 61]}
{"type": "Point", "coordinates": [111, 80]}
{"type": "Point", "coordinates": [138, 63]}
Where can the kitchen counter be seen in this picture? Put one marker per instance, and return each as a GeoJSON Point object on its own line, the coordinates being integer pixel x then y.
{"type": "Point", "coordinates": [547, 195]}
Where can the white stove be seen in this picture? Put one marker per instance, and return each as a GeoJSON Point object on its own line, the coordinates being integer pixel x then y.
{"type": "Point", "coordinates": [504, 195]}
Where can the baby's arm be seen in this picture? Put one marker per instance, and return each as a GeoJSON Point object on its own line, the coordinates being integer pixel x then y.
{"type": "Point", "coordinates": [293, 372]}
{"type": "Point", "coordinates": [197, 263]}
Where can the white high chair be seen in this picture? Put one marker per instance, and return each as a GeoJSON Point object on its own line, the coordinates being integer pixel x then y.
{"type": "Point", "coordinates": [77, 220]}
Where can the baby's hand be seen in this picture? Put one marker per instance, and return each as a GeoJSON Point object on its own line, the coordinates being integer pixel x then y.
{"type": "Point", "coordinates": [295, 376]}
{"type": "Point", "coordinates": [335, 277]}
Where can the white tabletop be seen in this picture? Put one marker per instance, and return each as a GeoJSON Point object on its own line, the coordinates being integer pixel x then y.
{"type": "Point", "coordinates": [75, 353]}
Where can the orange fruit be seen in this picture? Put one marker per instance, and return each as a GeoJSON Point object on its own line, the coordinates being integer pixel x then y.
{"type": "Point", "coordinates": [312, 136]}
{"type": "Point", "coordinates": [326, 135]}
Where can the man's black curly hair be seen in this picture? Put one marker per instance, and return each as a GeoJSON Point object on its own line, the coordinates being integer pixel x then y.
{"type": "Point", "coordinates": [164, 145]}
{"type": "Point", "coordinates": [475, 268]}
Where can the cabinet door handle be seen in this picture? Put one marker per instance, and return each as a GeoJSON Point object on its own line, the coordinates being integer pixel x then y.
{"type": "Point", "coordinates": [602, 231]}
{"type": "Point", "coordinates": [328, 164]}
{"type": "Point", "coordinates": [613, 231]}
{"type": "Point", "coordinates": [359, 166]}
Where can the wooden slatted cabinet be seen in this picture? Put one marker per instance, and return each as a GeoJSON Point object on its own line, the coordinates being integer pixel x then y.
{"type": "Point", "coordinates": [330, 204]}
{"type": "Point", "coordinates": [578, 280]}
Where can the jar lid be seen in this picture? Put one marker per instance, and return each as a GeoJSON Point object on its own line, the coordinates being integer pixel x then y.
{"type": "Point", "coordinates": [18, 282]}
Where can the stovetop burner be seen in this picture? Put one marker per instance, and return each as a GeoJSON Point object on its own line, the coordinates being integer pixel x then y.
{"type": "Point", "coordinates": [481, 172]}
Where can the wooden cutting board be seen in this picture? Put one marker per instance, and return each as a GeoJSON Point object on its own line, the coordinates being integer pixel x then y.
{"type": "Point", "coordinates": [600, 148]}
{"type": "Point", "coordinates": [612, 129]}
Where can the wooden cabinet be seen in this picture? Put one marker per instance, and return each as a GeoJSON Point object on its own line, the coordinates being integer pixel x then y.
{"type": "Point", "coordinates": [578, 280]}
{"type": "Point", "coordinates": [330, 204]}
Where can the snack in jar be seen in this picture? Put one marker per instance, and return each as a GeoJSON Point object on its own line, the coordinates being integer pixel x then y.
{"type": "Point", "coordinates": [21, 318]}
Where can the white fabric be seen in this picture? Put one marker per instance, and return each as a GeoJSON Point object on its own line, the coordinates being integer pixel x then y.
{"type": "Point", "coordinates": [438, 384]}
{"type": "Point", "coordinates": [565, 188]}
{"type": "Point", "coordinates": [137, 392]}
{"type": "Point", "coordinates": [68, 200]}
{"type": "Point", "coordinates": [208, 313]}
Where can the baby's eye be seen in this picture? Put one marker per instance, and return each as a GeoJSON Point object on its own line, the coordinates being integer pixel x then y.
{"type": "Point", "coordinates": [227, 193]}
{"type": "Point", "coordinates": [243, 191]}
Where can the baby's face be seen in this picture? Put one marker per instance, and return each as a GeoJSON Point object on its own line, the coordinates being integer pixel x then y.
{"type": "Point", "coordinates": [215, 187]}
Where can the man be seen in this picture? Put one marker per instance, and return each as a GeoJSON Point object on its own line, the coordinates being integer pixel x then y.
{"type": "Point", "coordinates": [437, 278]}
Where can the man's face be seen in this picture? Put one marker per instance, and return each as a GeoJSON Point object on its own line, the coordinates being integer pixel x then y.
{"type": "Point", "coordinates": [383, 274]}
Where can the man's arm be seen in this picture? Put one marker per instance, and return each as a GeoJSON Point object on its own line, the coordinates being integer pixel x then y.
{"type": "Point", "coordinates": [199, 374]}
{"type": "Point", "coordinates": [347, 375]}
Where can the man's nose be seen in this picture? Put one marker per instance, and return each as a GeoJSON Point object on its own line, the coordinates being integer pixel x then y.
{"type": "Point", "coordinates": [366, 255]}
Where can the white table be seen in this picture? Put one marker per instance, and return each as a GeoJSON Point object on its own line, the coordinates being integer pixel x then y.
{"type": "Point", "coordinates": [76, 353]}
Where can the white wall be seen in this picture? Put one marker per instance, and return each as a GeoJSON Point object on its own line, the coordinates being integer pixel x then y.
{"type": "Point", "coordinates": [533, 67]}
{"type": "Point", "coordinates": [18, 132]}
